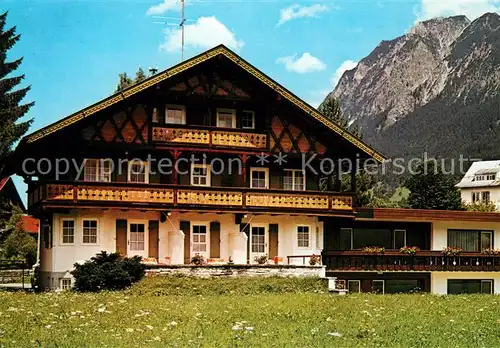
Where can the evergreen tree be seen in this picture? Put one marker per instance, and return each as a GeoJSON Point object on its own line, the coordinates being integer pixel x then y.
{"type": "Point", "coordinates": [430, 188]}
{"type": "Point", "coordinates": [18, 245]}
{"type": "Point", "coordinates": [11, 109]}
{"type": "Point", "coordinates": [330, 108]}
{"type": "Point", "coordinates": [124, 81]}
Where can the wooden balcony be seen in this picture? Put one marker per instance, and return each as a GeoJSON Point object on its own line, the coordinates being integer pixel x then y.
{"type": "Point", "coordinates": [210, 137]}
{"type": "Point", "coordinates": [395, 261]}
{"type": "Point", "coordinates": [180, 197]}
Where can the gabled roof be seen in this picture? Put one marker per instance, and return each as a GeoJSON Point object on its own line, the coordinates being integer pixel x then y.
{"type": "Point", "coordinates": [479, 168]}
{"type": "Point", "coordinates": [177, 69]}
{"type": "Point", "coordinates": [8, 190]}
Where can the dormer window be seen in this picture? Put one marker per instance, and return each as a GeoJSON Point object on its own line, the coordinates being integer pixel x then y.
{"type": "Point", "coordinates": [175, 114]}
{"type": "Point", "coordinates": [226, 118]}
{"type": "Point", "coordinates": [248, 119]}
{"type": "Point", "coordinates": [484, 177]}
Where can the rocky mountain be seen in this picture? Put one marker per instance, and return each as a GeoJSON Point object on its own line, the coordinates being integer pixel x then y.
{"type": "Point", "coordinates": [435, 89]}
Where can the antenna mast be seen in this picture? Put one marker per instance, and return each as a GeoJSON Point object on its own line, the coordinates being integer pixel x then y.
{"type": "Point", "coordinates": [182, 29]}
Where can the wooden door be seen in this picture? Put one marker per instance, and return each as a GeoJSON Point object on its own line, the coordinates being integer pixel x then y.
{"type": "Point", "coordinates": [273, 240]}
{"type": "Point", "coordinates": [186, 228]}
{"type": "Point", "coordinates": [121, 237]}
{"type": "Point", "coordinates": [153, 239]}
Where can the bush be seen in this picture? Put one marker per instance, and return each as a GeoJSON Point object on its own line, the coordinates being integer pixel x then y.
{"type": "Point", "coordinates": [107, 272]}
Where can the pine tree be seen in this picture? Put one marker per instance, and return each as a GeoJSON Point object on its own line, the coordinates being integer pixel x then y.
{"type": "Point", "coordinates": [331, 109]}
{"type": "Point", "coordinates": [124, 81]}
{"type": "Point", "coordinates": [10, 108]}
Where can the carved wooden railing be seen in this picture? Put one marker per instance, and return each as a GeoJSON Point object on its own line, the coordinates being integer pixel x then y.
{"type": "Point", "coordinates": [422, 261]}
{"type": "Point", "coordinates": [225, 138]}
{"type": "Point", "coordinates": [189, 196]}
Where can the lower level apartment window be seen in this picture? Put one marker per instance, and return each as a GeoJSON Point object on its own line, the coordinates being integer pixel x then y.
{"type": "Point", "coordinates": [354, 286]}
{"type": "Point", "coordinates": [89, 231]}
{"type": "Point", "coordinates": [470, 286]}
{"type": "Point", "coordinates": [65, 283]}
{"type": "Point", "coordinates": [378, 286]}
{"type": "Point", "coordinates": [137, 237]}
{"type": "Point", "coordinates": [303, 236]}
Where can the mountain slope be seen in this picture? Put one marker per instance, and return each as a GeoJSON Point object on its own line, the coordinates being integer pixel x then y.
{"type": "Point", "coordinates": [434, 89]}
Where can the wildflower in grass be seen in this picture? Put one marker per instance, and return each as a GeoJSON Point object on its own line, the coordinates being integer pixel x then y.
{"type": "Point", "coordinates": [249, 328]}
{"type": "Point", "coordinates": [48, 326]}
{"type": "Point", "coordinates": [101, 309]}
{"type": "Point", "coordinates": [149, 327]}
{"type": "Point", "coordinates": [129, 329]}
{"type": "Point", "coordinates": [329, 319]}
{"type": "Point", "coordinates": [173, 323]}
{"type": "Point", "coordinates": [157, 338]}
{"type": "Point", "coordinates": [334, 334]}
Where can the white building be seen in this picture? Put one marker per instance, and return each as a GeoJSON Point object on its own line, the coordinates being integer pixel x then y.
{"type": "Point", "coordinates": [481, 183]}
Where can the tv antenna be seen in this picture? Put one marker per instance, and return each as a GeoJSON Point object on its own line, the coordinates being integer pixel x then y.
{"type": "Point", "coordinates": [180, 24]}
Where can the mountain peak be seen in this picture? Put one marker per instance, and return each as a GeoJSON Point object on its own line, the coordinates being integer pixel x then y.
{"type": "Point", "coordinates": [434, 26]}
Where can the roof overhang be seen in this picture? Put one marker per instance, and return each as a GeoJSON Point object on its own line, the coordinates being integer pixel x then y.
{"type": "Point", "coordinates": [424, 215]}
{"type": "Point", "coordinates": [179, 68]}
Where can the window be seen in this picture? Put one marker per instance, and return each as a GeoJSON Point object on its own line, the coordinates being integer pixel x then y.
{"type": "Point", "coordinates": [66, 283]}
{"type": "Point", "coordinates": [137, 237]}
{"type": "Point", "coordinates": [248, 119]}
{"type": "Point", "coordinates": [303, 236]}
{"type": "Point", "coordinates": [490, 177]}
{"type": "Point", "coordinates": [259, 178]}
{"type": "Point", "coordinates": [346, 239]}
{"type": "Point", "coordinates": [138, 171]}
{"type": "Point", "coordinates": [68, 231]}
{"type": "Point", "coordinates": [470, 240]}
{"type": "Point", "coordinates": [365, 237]}
{"type": "Point", "coordinates": [479, 178]}
{"type": "Point", "coordinates": [476, 197]}
{"type": "Point", "coordinates": [399, 239]}
{"type": "Point", "coordinates": [200, 175]}
{"type": "Point", "coordinates": [97, 170]}
{"type": "Point", "coordinates": [354, 285]}
{"type": "Point", "coordinates": [175, 114]}
{"type": "Point", "coordinates": [226, 118]}
{"type": "Point", "coordinates": [294, 180]}
{"type": "Point", "coordinates": [155, 117]}
{"type": "Point", "coordinates": [89, 231]}
{"type": "Point", "coordinates": [378, 286]}
{"type": "Point", "coordinates": [470, 286]}
{"type": "Point", "coordinates": [258, 240]}
{"type": "Point", "coordinates": [402, 286]}
{"type": "Point", "coordinates": [200, 238]}
{"type": "Point", "coordinates": [483, 177]}
{"type": "Point", "coordinates": [485, 196]}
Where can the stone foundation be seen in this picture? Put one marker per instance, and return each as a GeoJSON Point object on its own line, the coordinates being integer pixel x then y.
{"type": "Point", "coordinates": [208, 271]}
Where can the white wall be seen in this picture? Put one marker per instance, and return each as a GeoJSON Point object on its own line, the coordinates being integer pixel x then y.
{"type": "Point", "coordinates": [440, 231]}
{"type": "Point", "coordinates": [466, 194]}
{"type": "Point", "coordinates": [439, 280]}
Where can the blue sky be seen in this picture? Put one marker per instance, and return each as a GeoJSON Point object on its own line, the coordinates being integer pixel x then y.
{"type": "Point", "coordinates": [74, 50]}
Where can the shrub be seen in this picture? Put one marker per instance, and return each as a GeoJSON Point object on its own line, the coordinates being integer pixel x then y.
{"type": "Point", "coordinates": [260, 259]}
{"type": "Point", "coordinates": [107, 272]}
{"type": "Point", "coordinates": [198, 260]}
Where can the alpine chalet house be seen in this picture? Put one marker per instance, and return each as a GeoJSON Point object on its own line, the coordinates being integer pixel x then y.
{"type": "Point", "coordinates": [481, 183]}
{"type": "Point", "coordinates": [211, 157]}
{"type": "Point", "coordinates": [235, 189]}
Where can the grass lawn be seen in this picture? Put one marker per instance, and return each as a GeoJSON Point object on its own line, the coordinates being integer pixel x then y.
{"type": "Point", "coordinates": [245, 312]}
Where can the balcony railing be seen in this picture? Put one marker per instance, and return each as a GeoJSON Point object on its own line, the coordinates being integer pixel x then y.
{"type": "Point", "coordinates": [182, 196]}
{"type": "Point", "coordinates": [422, 261]}
{"type": "Point", "coordinates": [213, 137]}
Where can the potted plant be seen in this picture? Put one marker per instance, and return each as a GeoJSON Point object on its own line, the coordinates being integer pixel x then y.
{"type": "Point", "coordinates": [490, 251]}
{"type": "Point", "coordinates": [198, 260]}
{"type": "Point", "coordinates": [452, 251]}
{"type": "Point", "coordinates": [407, 250]}
{"type": "Point", "coordinates": [261, 260]}
{"type": "Point", "coordinates": [314, 260]}
{"type": "Point", "coordinates": [374, 250]}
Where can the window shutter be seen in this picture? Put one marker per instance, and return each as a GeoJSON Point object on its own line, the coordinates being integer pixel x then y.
{"type": "Point", "coordinates": [215, 239]}
{"type": "Point", "coordinates": [273, 240]}
{"type": "Point", "coordinates": [186, 228]}
{"type": "Point", "coordinates": [121, 237]}
{"type": "Point", "coordinates": [153, 238]}
{"type": "Point", "coordinates": [245, 228]}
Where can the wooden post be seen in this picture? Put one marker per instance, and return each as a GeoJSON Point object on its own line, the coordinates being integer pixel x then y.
{"type": "Point", "coordinates": [175, 179]}
{"type": "Point", "coordinates": [244, 168]}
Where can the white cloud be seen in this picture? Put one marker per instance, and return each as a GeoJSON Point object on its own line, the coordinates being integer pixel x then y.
{"type": "Point", "coordinates": [305, 64]}
{"type": "Point", "coordinates": [207, 32]}
{"type": "Point", "coordinates": [297, 11]}
{"type": "Point", "coordinates": [345, 66]}
{"type": "Point", "coordinates": [442, 8]}
{"type": "Point", "coordinates": [165, 6]}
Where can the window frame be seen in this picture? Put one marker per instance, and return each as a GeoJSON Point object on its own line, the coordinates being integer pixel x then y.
{"type": "Point", "coordinates": [257, 169]}
{"type": "Point", "coordinates": [485, 193]}
{"type": "Point", "coordinates": [476, 197]}
{"type": "Point", "coordinates": [146, 171]}
{"type": "Point", "coordinates": [293, 171]}
{"type": "Point", "coordinates": [182, 108]}
{"type": "Point", "coordinates": [226, 111]}
{"type": "Point", "coordinates": [63, 286]}
{"type": "Point", "coordinates": [383, 285]}
{"type": "Point", "coordinates": [207, 238]}
{"type": "Point", "coordinates": [134, 222]}
{"type": "Point", "coordinates": [83, 231]}
{"type": "Point", "coordinates": [394, 237]}
{"type": "Point", "coordinates": [354, 281]}
{"type": "Point", "coordinates": [62, 231]}
{"type": "Point", "coordinates": [308, 246]}
{"type": "Point", "coordinates": [480, 281]}
{"type": "Point", "coordinates": [208, 176]}
{"type": "Point", "coordinates": [319, 235]}
{"type": "Point", "coordinates": [99, 173]}
{"type": "Point", "coordinates": [479, 233]}
{"type": "Point", "coordinates": [351, 230]}
{"type": "Point", "coordinates": [253, 119]}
